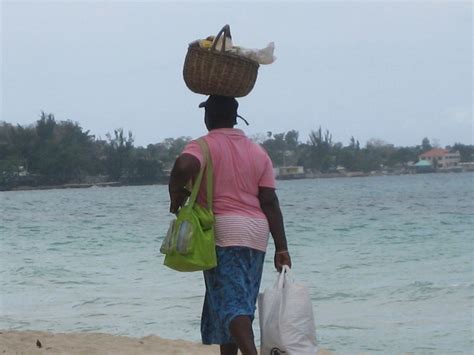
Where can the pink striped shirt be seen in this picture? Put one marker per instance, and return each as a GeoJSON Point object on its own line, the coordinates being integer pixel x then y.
{"type": "Point", "coordinates": [240, 168]}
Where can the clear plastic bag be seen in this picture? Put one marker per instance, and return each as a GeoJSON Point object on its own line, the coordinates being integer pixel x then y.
{"type": "Point", "coordinates": [180, 239]}
{"type": "Point", "coordinates": [184, 237]}
{"type": "Point", "coordinates": [167, 242]}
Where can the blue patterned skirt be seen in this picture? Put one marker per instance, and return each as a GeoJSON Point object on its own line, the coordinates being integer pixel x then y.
{"type": "Point", "coordinates": [231, 290]}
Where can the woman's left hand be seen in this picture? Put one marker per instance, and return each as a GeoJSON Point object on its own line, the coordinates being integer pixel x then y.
{"type": "Point", "coordinates": [178, 198]}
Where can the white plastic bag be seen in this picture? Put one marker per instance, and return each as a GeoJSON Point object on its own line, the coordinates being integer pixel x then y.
{"type": "Point", "coordinates": [261, 56]}
{"type": "Point", "coordinates": [286, 318]}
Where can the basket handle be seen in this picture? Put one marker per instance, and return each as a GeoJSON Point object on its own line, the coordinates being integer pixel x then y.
{"type": "Point", "coordinates": [224, 31]}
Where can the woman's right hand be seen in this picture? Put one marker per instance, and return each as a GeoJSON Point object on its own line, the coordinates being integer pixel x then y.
{"type": "Point", "coordinates": [282, 258]}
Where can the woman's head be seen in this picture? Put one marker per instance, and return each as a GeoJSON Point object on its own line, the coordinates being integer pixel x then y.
{"type": "Point", "coordinates": [220, 112]}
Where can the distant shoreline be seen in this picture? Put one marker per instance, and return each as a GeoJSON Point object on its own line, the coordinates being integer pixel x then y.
{"type": "Point", "coordinates": [65, 186]}
{"type": "Point", "coordinates": [306, 177]}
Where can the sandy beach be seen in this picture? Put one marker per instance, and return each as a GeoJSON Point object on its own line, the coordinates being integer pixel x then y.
{"type": "Point", "coordinates": [36, 342]}
{"type": "Point", "coordinates": [25, 342]}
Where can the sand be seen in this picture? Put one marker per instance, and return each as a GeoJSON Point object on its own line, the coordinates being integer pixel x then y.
{"type": "Point", "coordinates": [25, 342]}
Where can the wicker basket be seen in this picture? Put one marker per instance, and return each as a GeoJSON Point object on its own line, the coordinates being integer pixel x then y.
{"type": "Point", "coordinates": [213, 72]}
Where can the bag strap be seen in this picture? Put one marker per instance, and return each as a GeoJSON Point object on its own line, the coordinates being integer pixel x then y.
{"type": "Point", "coordinates": [207, 164]}
{"type": "Point", "coordinates": [283, 278]}
{"type": "Point", "coordinates": [209, 172]}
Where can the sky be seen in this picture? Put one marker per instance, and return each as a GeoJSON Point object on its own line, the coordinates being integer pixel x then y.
{"type": "Point", "coordinates": [392, 70]}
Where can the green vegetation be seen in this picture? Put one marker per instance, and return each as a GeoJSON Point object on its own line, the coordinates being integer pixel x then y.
{"type": "Point", "coordinates": [51, 152]}
{"type": "Point", "coordinates": [321, 154]}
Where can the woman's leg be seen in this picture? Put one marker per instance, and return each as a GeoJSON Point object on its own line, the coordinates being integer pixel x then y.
{"type": "Point", "coordinates": [242, 332]}
{"type": "Point", "coordinates": [229, 349]}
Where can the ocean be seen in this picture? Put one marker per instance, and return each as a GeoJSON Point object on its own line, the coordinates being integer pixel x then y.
{"type": "Point", "coordinates": [388, 260]}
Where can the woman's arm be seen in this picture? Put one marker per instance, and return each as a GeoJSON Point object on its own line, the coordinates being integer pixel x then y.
{"type": "Point", "coordinates": [271, 208]}
{"type": "Point", "coordinates": [185, 168]}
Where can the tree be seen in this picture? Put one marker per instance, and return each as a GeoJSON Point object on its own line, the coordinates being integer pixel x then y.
{"type": "Point", "coordinates": [276, 148]}
{"type": "Point", "coordinates": [378, 154]}
{"type": "Point", "coordinates": [45, 126]}
{"type": "Point", "coordinates": [57, 152]}
{"type": "Point", "coordinates": [425, 145]}
{"type": "Point", "coordinates": [466, 151]}
{"type": "Point", "coordinates": [168, 150]}
{"type": "Point", "coordinates": [351, 156]}
{"type": "Point", "coordinates": [291, 140]}
{"type": "Point", "coordinates": [404, 155]}
{"type": "Point", "coordinates": [144, 167]}
{"type": "Point", "coordinates": [118, 154]}
{"type": "Point", "coordinates": [75, 151]}
{"type": "Point", "coordinates": [319, 151]}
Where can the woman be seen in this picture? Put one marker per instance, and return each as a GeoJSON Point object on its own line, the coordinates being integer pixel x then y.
{"type": "Point", "coordinates": [246, 209]}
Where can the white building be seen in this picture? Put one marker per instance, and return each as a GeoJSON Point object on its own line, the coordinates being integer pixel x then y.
{"type": "Point", "coordinates": [289, 172]}
{"type": "Point", "coordinates": [441, 158]}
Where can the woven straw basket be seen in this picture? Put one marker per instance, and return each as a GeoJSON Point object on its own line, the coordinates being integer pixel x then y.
{"type": "Point", "coordinates": [213, 72]}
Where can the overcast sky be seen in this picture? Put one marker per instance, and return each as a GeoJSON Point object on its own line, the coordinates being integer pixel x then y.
{"type": "Point", "coordinates": [398, 71]}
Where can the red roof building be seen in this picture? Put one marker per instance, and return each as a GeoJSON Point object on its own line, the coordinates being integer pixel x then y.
{"type": "Point", "coordinates": [441, 158]}
{"type": "Point", "coordinates": [434, 153]}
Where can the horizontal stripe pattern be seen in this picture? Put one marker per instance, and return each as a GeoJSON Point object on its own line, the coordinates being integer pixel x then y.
{"type": "Point", "coordinates": [242, 231]}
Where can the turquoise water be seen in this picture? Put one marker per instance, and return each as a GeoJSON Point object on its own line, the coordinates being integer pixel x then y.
{"type": "Point", "coordinates": [389, 262]}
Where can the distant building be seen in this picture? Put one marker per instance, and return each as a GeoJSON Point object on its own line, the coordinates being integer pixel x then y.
{"type": "Point", "coordinates": [467, 166]}
{"type": "Point", "coordinates": [289, 172]}
{"type": "Point", "coordinates": [22, 171]}
{"type": "Point", "coordinates": [441, 158]}
{"type": "Point", "coordinates": [423, 166]}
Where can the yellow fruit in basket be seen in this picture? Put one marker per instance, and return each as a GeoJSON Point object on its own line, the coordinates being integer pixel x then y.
{"type": "Point", "coordinates": [204, 43]}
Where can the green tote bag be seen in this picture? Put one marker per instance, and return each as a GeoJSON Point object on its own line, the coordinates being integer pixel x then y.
{"type": "Point", "coordinates": [189, 244]}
